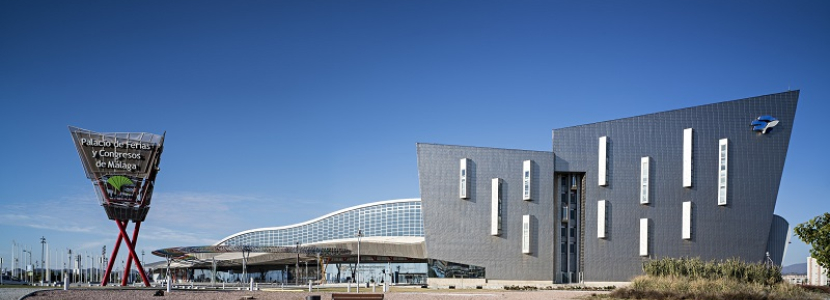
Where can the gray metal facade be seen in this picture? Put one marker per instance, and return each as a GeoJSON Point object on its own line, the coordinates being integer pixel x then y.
{"type": "Point", "coordinates": [778, 239]}
{"type": "Point", "coordinates": [458, 230]}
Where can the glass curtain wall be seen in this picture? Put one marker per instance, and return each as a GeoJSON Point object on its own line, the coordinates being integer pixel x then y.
{"type": "Point", "coordinates": [570, 204]}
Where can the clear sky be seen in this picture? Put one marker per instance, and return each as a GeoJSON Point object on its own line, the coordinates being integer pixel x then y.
{"type": "Point", "coordinates": [277, 112]}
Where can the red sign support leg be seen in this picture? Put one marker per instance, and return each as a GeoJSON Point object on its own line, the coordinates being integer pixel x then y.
{"type": "Point", "coordinates": [125, 276]}
{"type": "Point", "coordinates": [112, 260]}
{"type": "Point", "coordinates": [122, 235]}
{"type": "Point", "coordinates": [131, 247]}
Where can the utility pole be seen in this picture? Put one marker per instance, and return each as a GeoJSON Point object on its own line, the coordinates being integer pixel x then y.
{"type": "Point", "coordinates": [43, 258]}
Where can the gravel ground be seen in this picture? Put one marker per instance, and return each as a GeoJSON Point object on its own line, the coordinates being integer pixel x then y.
{"type": "Point", "coordinates": [84, 294]}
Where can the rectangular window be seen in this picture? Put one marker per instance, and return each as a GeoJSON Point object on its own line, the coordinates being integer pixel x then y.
{"type": "Point", "coordinates": [526, 234]}
{"type": "Point", "coordinates": [687, 220]}
{"type": "Point", "coordinates": [687, 157]}
{"type": "Point", "coordinates": [464, 184]}
{"type": "Point", "coordinates": [526, 175]}
{"type": "Point", "coordinates": [495, 216]}
{"type": "Point", "coordinates": [601, 219]}
{"type": "Point", "coordinates": [723, 171]}
{"type": "Point", "coordinates": [644, 180]}
{"type": "Point", "coordinates": [643, 237]}
{"type": "Point", "coordinates": [603, 161]}
{"type": "Point", "coordinates": [564, 215]}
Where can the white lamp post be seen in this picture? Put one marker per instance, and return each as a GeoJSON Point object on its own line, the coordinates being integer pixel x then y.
{"type": "Point", "coordinates": [357, 266]}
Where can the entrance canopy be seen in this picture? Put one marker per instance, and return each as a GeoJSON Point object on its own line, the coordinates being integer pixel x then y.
{"type": "Point", "coordinates": [381, 248]}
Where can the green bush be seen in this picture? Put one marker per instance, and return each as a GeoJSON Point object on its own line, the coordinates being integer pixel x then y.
{"type": "Point", "coordinates": [694, 268]}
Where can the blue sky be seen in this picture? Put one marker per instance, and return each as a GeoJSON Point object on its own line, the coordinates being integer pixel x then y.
{"type": "Point", "coordinates": [277, 112]}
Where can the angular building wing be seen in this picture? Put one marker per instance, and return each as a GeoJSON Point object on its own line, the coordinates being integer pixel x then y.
{"type": "Point", "coordinates": [693, 182]}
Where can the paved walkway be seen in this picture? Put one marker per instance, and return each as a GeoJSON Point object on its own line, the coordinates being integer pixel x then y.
{"type": "Point", "coordinates": [15, 293]}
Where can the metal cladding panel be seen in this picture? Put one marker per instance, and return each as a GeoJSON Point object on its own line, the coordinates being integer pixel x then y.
{"type": "Point", "coordinates": [459, 231]}
{"type": "Point", "coordinates": [738, 229]}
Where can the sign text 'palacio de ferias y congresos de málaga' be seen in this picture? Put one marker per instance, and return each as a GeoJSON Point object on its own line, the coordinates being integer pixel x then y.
{"type": "Point", "coordinates": [123, 168]}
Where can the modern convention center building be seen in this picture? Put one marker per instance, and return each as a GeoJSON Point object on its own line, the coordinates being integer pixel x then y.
{"type": "Point", "coordinates": [693, 182]}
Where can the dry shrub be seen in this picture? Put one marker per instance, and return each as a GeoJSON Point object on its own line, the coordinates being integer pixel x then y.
{"type": "Point", "coordinates": [650, 287]}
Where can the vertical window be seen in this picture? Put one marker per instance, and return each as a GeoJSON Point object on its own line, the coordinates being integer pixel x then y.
{"type": "Point", "coordinates": [687, 157]}
{"type": "Point", "coordinates": [687, 220]}
{"type": "Point", "coordinates": [496, 209]}
{"type": "Point", "coordinates": [644, 180]}
{"type": "Point", "coordinates": [601, 219]}
{"type": "Point", "coordinates": [643, 237]}
{"type": "Point", "coordinates": [723, 170]}
{"type": "Point", "coordinates": [464, 184]}
{"type": "Point", "coordinates": [526, 234]}
{"type": "Point", "coordinates": [603, 161]}
{"type": "Point", "coordinates": [526, 173]}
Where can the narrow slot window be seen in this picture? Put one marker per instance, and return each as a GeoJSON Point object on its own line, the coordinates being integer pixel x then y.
{"type": "Point", "coordinates": [496, 209]}
{"type": "Point", "coordinates": [601, 219]}
{"type": "Point", "coordinates": [687, 157]}
{"type": "Point", "coordinates": [464, 183]}
{"type": "Point", "coordinates": [644, 162]}
{"type": "Point", "coordinates": [526, 234]}
{"type": "Point", "coordinates": [602, 173]}
{"type": "Point", "coordinates": [723, 170]}
{"type": "Point", "coordinates": [643, 237]}
{"type": "Point", "coordinates": [526, 176]}
{"type": "Point", "coordinates": [687, 220]}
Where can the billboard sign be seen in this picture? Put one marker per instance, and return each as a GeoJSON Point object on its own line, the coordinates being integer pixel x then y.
{"type": "Point", "coordinates": [127, 154]}
{"type": "Point", "coordinates": [122, 167]}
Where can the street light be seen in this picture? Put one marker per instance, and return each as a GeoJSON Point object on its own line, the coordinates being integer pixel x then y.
{"type": "Point", "coordinates": [43, 257]}
{"type": "Point", "coordinates": [357, 266]}
{"type": "Point", "coordinates": [297, 266]}
{"type": "Point", "coordinates": [89, 268]}
{"type": "Point", "coordinates": [27, 265]}
{"type": "Point", "coordinates": [69, 262]}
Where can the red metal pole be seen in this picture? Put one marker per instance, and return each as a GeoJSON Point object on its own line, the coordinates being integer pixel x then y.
{"type": "Point", "coordinates": [129, 261]}
{"type": "Point", "coordinates": [133, 256]}
{"type": "Point", "coordinates": [112, 260]}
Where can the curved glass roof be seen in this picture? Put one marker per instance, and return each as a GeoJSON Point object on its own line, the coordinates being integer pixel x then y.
{"type": "Point", "coordinates": [385, 218]}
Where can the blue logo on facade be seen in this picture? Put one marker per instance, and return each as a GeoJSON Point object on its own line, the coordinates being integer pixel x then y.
{"type": "Point", "coordinates": [764, 124]}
